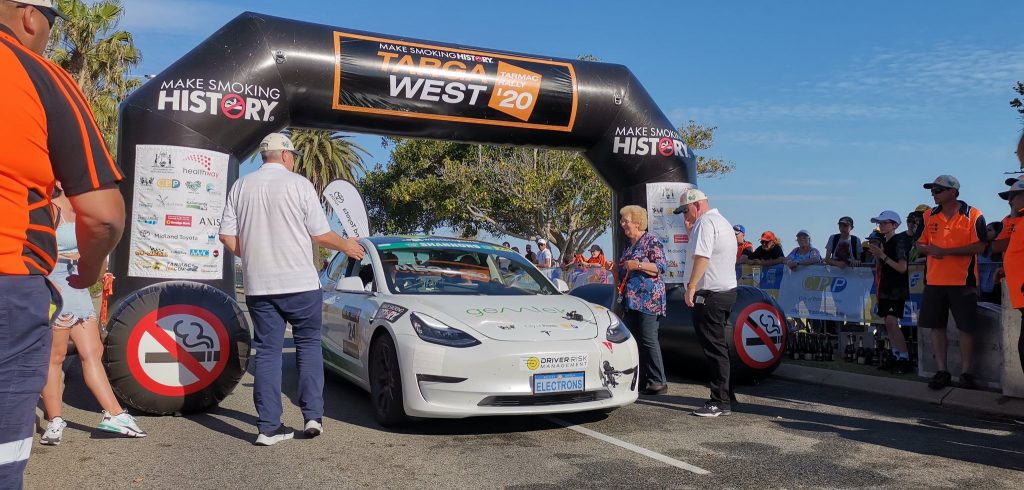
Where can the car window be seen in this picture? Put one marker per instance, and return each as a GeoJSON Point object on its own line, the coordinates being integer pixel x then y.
{"type": "Point", "coordinates": [470, 271]}
{"type": "Point", "coordinates": [364, 271]}
{"type": "Point", "coordinates": [336, 267]}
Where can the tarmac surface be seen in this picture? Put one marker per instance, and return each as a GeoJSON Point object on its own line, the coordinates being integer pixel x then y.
{"type": "Point", "coordinates": [784, 434]}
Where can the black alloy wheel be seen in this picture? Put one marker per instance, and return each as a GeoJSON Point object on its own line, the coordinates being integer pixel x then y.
{"type": "Point", "coordinates": [386, 383]}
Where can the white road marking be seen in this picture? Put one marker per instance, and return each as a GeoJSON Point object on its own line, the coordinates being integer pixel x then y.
{"type": "Point", "coordinates": [628, 446]}
{"type": "Point", "coordinates": [986, 447]}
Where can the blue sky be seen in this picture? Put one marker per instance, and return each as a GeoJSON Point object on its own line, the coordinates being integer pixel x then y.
{"type": "Point", "coordinates": [826, 108]}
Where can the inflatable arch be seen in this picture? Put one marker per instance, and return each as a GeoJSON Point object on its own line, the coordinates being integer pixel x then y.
{"type": "Point", "coordinates": [184, 133]}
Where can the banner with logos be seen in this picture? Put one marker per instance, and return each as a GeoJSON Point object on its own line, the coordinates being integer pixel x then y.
{"type": "Point", "coordinates": [768, 279]}
{"type": "Point", "coordinates": [826, 293]}
{"type": "Point", "coordinates": [348, 205]}
{"type": "Point", "coordinates": [178, 200]}
{"type": "Point", "coordinates": [662, 199]}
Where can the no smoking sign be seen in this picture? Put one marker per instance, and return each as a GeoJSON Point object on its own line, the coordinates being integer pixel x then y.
{"type": "Point", "coordinates": [177, 350]}
{"type": "Point", "coordinates": [759, 335]}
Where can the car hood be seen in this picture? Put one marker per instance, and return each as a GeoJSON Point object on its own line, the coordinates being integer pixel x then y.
{"type": "Point", "coordinates": [521, 318]}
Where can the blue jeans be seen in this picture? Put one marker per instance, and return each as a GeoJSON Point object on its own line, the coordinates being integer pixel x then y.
{"type": "Point", "coordinates": [25, 338]}
{"type": "Point", "coordinates": [644, 328]}
{"type": "Point", "coordinates": [304, 311]}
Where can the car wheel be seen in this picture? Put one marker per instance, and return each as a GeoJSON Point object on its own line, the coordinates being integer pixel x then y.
{"type": "Point", "coordinates": [386, 383]}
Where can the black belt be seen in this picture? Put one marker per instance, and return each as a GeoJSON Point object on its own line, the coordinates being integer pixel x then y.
{"type": "Point", "coordinates": [67, 261]}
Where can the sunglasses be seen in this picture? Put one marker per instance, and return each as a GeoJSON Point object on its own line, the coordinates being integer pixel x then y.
{"type": "Point", "coordinates": [843, 223]}
{"type": "Point", "coordinates": [686, 209]}
{"type": "Point", "coordinates": [938, 189]}
{"type": "Point", "coordinates": [49, 14]}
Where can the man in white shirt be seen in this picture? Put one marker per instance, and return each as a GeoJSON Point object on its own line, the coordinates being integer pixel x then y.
{"type": "Point", "coordinates": [710, 291]}
{"type": "Point", "coordinates": [271, 220]}
{"type": "Point", "coordinates": [543, 254]}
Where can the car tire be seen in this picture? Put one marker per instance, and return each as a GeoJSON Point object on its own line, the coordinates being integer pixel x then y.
{"type": "Point", "coordinates": [386, 383]}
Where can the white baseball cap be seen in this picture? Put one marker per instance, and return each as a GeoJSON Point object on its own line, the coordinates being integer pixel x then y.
{"type": "Point", "coordinates": [689, 197]}
{"type": "Point", "coordinates": [50, 4]}
{"type": "Point", "coordinates": [278, 141]}
{"type": "Point", "coordinates": [947, 181]}
{"type": "Point", "coordinates": [888, 215]}
{"type": "Point", "coordinates": [541, 241]}
{"type": "Point", "coordinates": [1017, 186]}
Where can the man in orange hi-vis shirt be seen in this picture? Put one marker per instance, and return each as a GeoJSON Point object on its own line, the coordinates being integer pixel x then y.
{"type": "Point", "coordinates": [954, 234]}
{"type": "Point", "coordinates": [47, 132]}
{"type": "Point", "coordinates": [1011, 243]}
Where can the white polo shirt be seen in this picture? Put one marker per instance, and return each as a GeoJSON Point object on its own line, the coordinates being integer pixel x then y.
{"type": "Point", "coordinates": [712, 237]}
{"type": "Point", "coordinates": [274, 212]}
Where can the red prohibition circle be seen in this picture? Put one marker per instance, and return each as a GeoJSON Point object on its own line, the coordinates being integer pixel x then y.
{"type": "Point", "coordinates": [666, 147]}
{"type": "Point", "coordinates": [737, 336]}
{"type": "Point", "coordinates": [232, 106]}
{"type": "Point", "coordinates": [148, 325]}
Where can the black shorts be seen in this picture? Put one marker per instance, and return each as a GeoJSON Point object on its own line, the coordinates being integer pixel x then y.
{"type": "Point", "coordinates": [891, 307]}
{"type": "Point", "coordinates": [938, 301]}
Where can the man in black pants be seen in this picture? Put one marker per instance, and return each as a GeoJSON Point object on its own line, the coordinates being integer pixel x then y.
{"type": "Point", "coordinates": [710, 291]}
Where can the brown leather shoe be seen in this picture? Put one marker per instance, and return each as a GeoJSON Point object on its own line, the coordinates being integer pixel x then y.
{"type": "Point", "coordinates": [655, 389]}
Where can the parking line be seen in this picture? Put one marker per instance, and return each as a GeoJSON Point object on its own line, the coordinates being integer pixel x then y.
{"type": "Point", "coordinates": [628, 446]}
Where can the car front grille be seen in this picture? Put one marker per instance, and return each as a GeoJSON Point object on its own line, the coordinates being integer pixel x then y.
{"type": "Point", "coordinates": [542, 400]}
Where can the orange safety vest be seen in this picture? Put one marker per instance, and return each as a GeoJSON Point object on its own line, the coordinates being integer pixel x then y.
{"type": "Point", "coordinates": [967, 226]}
{"type": "Point", "coordinates": [1013, 258]}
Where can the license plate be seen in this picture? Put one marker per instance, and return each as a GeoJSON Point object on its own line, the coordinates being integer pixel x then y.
{"type": "Point", "coordinates": [558, 382]}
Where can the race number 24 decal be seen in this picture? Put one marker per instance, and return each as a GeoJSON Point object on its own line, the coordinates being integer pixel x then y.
{"type": "Point", "coordinates": [406, 79]}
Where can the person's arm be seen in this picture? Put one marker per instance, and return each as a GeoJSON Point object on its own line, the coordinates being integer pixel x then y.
{"type": "Point", "coordinates": [80, 161]}
{"type": "Point", "coordinates": [778, 258]}
{"type": "Point", "coordinates": [231, 244]}
{"type": "Point", "coordinates": [814, 258]}
{"type": "Point", "coordinates": [1000, 244]}
{"type": "Point", "coordinates": [700, 266]}
{"type": "Point", "coordinates": [973, 248]}
{"type": "Point", "coordinates": [98, 228]}
{"type": "Point", "coordinates": [348, 246]}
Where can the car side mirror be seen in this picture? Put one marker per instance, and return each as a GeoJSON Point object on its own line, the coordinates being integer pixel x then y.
{"type": "Point", "coordinates": [350, 284]}
{"type": "Point", "coordinates": [561, 286]}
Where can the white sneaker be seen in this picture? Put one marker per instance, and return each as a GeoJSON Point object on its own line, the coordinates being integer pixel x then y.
{"type": "Point", "coordinates": [313, 428]}
{"type": "Point", "coordinates": [121, 424]}
{"type": "Point", "coordinates": [54, 432]}
{"type": "Point", "coordinates": [281, 433]}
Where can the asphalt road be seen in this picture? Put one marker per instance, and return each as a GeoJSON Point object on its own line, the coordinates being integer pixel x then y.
{"type": "Point", "coordinates": [783, 434]}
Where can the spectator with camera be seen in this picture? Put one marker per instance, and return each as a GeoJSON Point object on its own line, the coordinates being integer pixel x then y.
{"type": "Point", "coordinates": [892, 283]}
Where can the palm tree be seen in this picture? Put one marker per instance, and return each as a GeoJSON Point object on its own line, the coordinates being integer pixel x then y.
{"type": "Point", "coordinates": [97, 56]}
{"type": "Point", "coordinates": [327, 156]}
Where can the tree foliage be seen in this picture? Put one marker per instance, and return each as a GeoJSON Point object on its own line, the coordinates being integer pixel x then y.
{"type": "Point", "coordinates": [525, 193]}
{"type": "Point", "coordinates": [521, 192]}
{"type": "Point", "coordinates": [98, 56]}
{"type": "Point", "coordinates": [699, 137]}
{"type": "Point", "coordinates": [327, 156]}
{"type": "Point", "coordinates": [1016, 103]}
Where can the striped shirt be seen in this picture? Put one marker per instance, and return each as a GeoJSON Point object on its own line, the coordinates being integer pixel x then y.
{"type": "Point", "coordinates": [47, 133]}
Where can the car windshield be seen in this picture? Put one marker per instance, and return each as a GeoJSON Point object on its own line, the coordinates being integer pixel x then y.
{"type": "Point", "coordinates": [460, 269]}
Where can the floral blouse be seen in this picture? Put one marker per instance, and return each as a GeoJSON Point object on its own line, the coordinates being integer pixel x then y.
{"type": "Point", "coordinates": [796, 256]}
{"type": "Point", "coordinates": [644, 293]}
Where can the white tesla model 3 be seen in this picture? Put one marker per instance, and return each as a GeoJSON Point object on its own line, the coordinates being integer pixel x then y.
{"type": "Point", "coordinates": [449, 328]}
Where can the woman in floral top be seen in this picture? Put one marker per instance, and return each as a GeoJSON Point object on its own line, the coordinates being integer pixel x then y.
{"type": "Point", "coordinates": [804, 253]}
{"type": "Point", "coordinates": [643, 295]}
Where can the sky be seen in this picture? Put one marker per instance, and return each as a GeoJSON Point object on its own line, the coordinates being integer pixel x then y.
{"type": "Point", "coordinates": [826, 108]}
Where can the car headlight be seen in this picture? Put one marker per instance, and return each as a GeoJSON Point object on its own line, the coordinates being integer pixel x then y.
{"type": "Point", "coordinates": [617, 331]}
{"type": "Point", "coordinates": [433, 331]}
